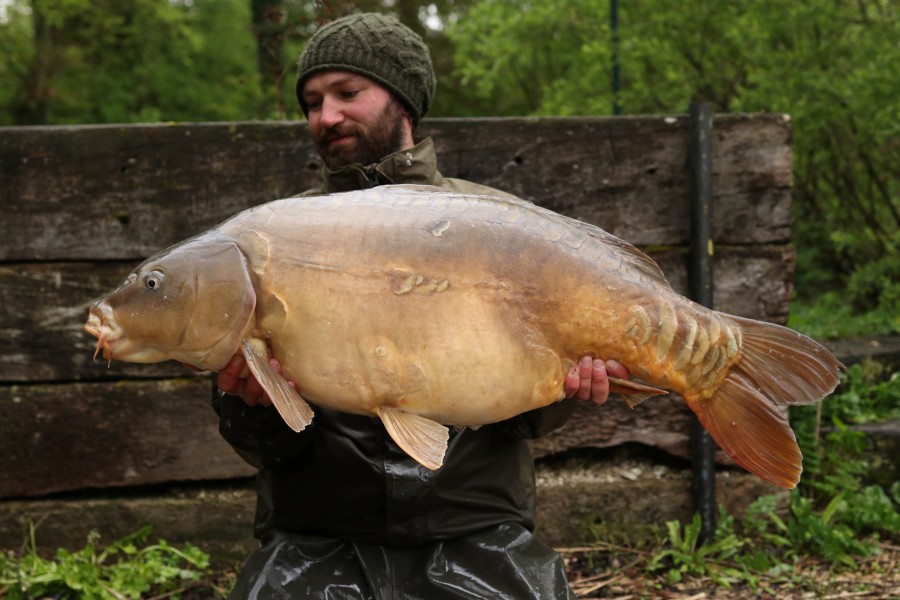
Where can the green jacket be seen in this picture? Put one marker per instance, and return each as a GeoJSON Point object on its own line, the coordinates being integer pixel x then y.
{"type": "Point", "coordinates": [417, 165]}
{"type": "Point", "coordinates": [343, 478]}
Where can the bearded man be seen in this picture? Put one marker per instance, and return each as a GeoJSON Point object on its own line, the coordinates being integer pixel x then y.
{"type": "Point", "coordinates": [342, 511]}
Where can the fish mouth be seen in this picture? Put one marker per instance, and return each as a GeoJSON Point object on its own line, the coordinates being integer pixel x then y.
{"type": "Point", "coordinates": [101, 324]}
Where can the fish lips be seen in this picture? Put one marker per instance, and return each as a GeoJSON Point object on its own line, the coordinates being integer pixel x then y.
{"type": "Point", "coordinates": [102, 326]}
{"type": "Point", "coordinates": [116, 345]}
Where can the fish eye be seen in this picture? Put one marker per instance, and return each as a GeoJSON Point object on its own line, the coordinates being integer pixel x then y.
{"type": "Point", "coordinates": [153, 280]}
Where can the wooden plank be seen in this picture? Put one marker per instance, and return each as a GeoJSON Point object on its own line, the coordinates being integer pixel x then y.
{"type": "Point", "coordinates": [629, 174]}
{"type": "Point", "coordinates": [125, 191]}
{"type": "Point", "coordinates": [116, 192]}
{"type": "Point", "coordinates": [661, 422]}
{"type": "Point", "coordinates": [87, 435]}
{"type": "Point", "coordinates": [749, 281]}
{"type": "Point", "coordinates": [218, 519]}
{"type": "Point", "coordinates": [46, 305]}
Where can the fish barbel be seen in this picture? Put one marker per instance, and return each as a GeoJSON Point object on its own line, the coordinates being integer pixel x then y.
{"type": "Point", "coordinates": [429, 308]}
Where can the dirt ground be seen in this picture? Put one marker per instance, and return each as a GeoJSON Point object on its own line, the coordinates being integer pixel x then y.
{"type": "Point", "coordinates": [878, 577]}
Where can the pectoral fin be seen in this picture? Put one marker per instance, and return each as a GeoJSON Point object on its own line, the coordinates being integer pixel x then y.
{"type": "Point", "coordinates": [633, 392]}
{"type": "Point", "coordinates": [423, 439]}
{"type": "Point", "coordinates": [293, 409]}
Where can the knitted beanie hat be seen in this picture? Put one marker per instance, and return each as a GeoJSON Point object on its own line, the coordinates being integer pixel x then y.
{"type": "Point", "coordinates": [378, 47]}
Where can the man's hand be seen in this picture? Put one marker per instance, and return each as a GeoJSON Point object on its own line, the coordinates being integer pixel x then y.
{"type": "Point", "coordinates": [590, 379]}
{"type": "Point", "coordinates": [230, 381]}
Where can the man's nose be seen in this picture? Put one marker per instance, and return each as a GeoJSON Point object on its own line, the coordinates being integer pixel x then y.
{"type": "Point", "coordinates": [331, 113]}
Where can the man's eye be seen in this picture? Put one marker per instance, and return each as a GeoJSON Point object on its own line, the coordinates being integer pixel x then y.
{"type": "Point", "coordinates": [349, 94]}
{"type": "Point", "coordinates": [315, 105]}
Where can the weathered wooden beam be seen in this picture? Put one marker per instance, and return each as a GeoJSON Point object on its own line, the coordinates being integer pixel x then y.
{"type": "Point", "coordinates": [629, 174]}
{"type": "Point", "coordinates": [126, 191]}
{"type": "Point", "coordinates": [76, 436]}
{"type": "Point", "coordinates": [662, 422]}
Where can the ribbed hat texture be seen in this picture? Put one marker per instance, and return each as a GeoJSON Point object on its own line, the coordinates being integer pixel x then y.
{"type": "Point", "coordinates": [379, 47]}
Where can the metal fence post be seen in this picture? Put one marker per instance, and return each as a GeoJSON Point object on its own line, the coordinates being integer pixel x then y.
{"type": "Point", "coordinates": [700, 273]}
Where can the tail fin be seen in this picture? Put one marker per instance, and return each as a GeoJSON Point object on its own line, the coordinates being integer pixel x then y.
{"type": "Point", "coordinates": [778, 367]}
{"type": "Point", "coordinates": [789, 367]}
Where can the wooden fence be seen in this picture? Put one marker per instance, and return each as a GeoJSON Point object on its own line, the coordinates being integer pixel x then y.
{"type": "Point", "coordinates": [89, 445]}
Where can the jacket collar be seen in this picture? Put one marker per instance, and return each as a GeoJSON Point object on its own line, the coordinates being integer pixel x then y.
{"type": "Point", "coordinates": [417, 165]}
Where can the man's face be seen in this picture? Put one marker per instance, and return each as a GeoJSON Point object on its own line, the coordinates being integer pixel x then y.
{"type": "Point", "coordinates": [352, 119]}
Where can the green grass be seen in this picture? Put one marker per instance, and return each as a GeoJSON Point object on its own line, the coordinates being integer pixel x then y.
{"type": "Point", "coordinates": [126, 568]}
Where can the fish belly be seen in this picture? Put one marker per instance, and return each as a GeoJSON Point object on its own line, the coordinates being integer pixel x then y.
{"type": "Point", "coordinates": [450, 356]}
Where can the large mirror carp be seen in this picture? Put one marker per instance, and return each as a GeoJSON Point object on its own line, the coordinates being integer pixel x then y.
{"type": "Point", "coordinates": [428, 308]}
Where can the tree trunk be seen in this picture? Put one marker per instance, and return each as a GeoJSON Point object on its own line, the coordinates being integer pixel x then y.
{"type": "Point", "coordinates": [32, 106]}
{"type": "Point", "coordinates": [268, 29]}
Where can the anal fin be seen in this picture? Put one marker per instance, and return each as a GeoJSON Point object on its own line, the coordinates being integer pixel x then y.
{"type": "Point", "coordinates": [295, 411]}
{"type": "Point", "coordinates": [751, 430]}
{"type": "Point", "coordinates": [423, 439]}
{"type": "Point", "coordinates": [633, 392]}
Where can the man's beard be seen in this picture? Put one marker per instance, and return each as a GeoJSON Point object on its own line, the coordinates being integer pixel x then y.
{"type": "Point", "coordinates": [385, 137]}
